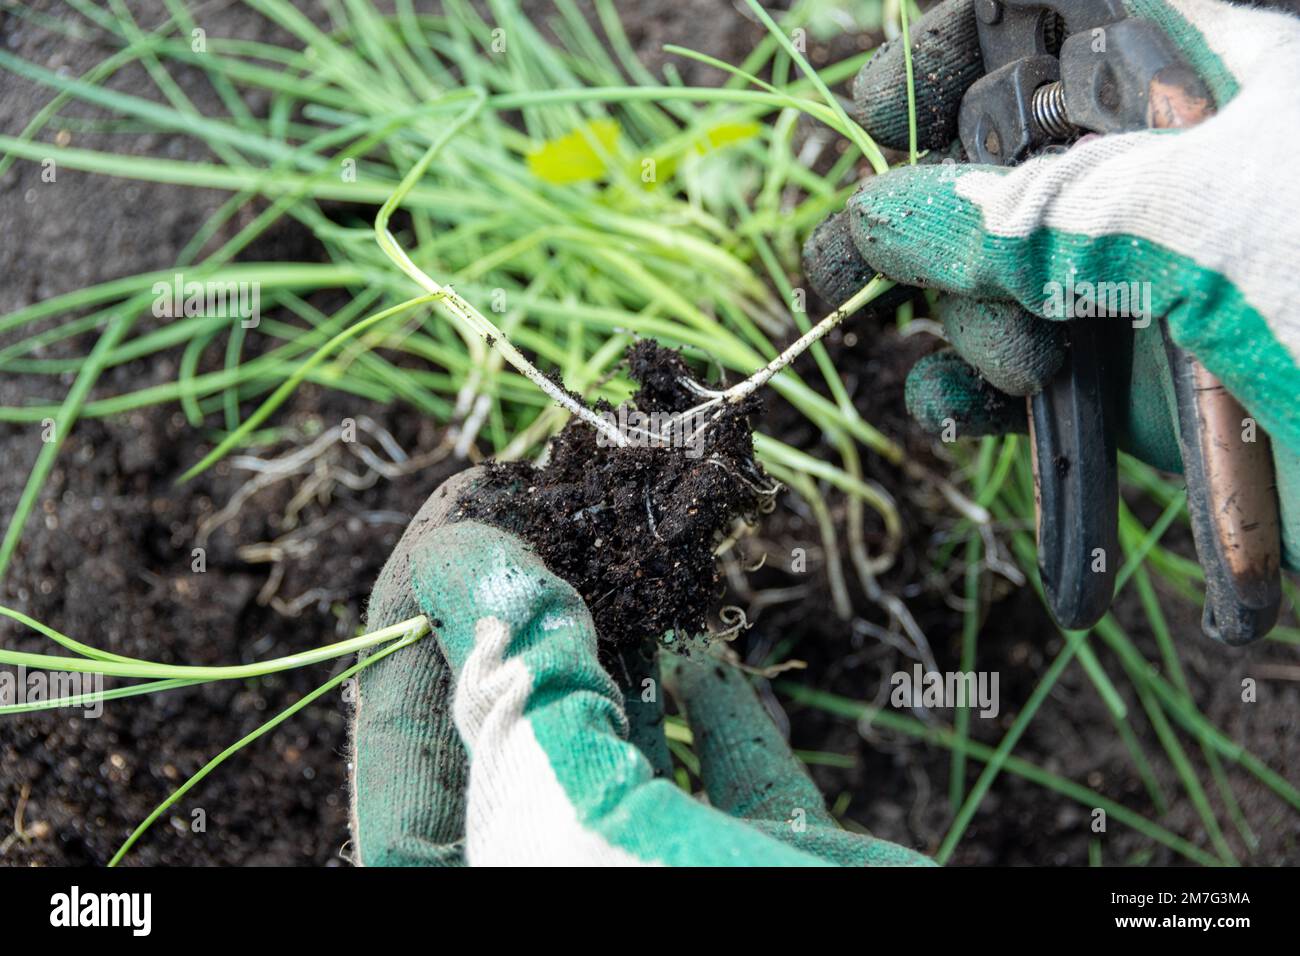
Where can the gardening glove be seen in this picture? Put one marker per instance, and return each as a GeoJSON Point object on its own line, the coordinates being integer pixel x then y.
{"type": "Point", "coordinates": [407, 768]}
{"type": "Point", "coordinates": [546, 764]}
{"type": "Point", "coordinates": [1206, 218]}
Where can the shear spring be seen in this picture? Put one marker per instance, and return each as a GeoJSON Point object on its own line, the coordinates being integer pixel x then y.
{"type": "Point", "coordinates": [1048, 111]}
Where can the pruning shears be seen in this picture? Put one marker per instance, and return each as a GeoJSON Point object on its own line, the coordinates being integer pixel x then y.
{"type": "Point", "coordinates": [1055, 70]}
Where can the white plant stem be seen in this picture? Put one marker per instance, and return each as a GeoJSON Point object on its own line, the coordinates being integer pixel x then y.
{"type": "Point", "coordinates": [742, 390]}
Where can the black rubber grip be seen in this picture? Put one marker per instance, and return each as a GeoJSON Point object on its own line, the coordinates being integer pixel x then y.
{"type": "Point", "coordinates": [1073, 425]}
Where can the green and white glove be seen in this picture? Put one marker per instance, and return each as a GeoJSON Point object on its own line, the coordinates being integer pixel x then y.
{"type": "Point", "coordinates": [1206, 220]}
{"type": "Point", "coordinates": [504, 742]}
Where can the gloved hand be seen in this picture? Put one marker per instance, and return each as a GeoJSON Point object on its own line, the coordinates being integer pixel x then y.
{"type": "Point", "coordinates": [1206, 219]}
{"type": "Point", "coordinates": [505, 742]}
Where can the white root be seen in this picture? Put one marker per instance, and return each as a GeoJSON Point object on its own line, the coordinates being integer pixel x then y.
{"type": "Point", "coordinates": [742, 390]}
{"type": "Point", "coordinates": [733, 617]}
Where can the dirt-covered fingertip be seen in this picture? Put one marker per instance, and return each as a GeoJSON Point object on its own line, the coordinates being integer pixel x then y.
{"type": "Point", "coordinates": [1013, 350]}
{"type": "Point", "coordinates": [836, 270]}
{"type": "Point", "coordinates": [946, 60]}
{"type": "Point", "coordinates": [832, 263]}
{"type": "Point", "coordinates": [948, 398]}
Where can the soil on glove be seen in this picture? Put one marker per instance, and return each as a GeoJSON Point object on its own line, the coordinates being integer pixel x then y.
{"type": "Point", "coordinates": [633, 528]}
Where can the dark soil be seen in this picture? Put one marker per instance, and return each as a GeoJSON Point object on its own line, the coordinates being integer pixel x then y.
{"type": "Point", "coordinates": [107, 558]}
{"type": "Point", "coordinates": [633, 528]}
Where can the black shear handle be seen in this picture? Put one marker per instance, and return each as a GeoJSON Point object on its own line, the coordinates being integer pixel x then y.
{"type": "Point", "coordinates": [1076, 480]}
